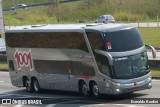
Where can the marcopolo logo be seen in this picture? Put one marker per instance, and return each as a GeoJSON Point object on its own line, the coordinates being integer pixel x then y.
{"type": "Point", "coordinates": [23, 59]}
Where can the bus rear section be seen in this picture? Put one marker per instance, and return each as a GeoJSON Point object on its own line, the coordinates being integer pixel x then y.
{"type": "Point", "coordinates": [98, 59]}
{"type": "Point", "coordinates": [53, 60]}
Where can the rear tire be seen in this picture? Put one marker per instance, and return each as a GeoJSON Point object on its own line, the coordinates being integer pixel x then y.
{"type": "Point", "coordinates": [28, 86]}
{"type": "Point", "coordinates": [36, 86]}
{"type": "Point", "coordinates": [84, 89]}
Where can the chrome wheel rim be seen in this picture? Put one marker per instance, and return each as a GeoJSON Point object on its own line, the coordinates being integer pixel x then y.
{"type": "Point", "coordinates": [84, 89]}
{"type": "Point", "coordinates": [95, 90]}
{"type": "Point", "coordinates": [28, 85]}
{"type": "Point", "coordinates": [36, 87]}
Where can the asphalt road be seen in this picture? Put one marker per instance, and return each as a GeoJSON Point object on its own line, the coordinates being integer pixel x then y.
{"type": "Point", "coordinates": [51, 98]}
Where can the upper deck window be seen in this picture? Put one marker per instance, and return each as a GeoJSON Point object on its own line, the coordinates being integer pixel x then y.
{"type": "Point", "coordinates": [123, 40]}
{"type": "Point", "coordinates": [65, 40]}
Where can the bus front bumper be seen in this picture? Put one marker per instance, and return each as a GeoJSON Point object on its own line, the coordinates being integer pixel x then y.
{"type": "Point", "coordinates": [119, 88]}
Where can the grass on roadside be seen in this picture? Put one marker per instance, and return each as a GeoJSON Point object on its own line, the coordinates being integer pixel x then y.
{"type": "Point", "coordinates": [28, 16]}
{"type": "Point", "coordinates": [3, 66]}
{"type": "Point", "coordinates": [155, 72]}
{"type": "Point", "coordinates": [150, 35]}
{"type": "Point", "coordinates": [80, 10]}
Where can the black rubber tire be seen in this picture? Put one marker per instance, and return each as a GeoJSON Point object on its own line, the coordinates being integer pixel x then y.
{"type": "Point", "coordinates": [95, 90]}
{"type": "Point", "coordinates": [29, 87]}
{"type": "Point", "coordinates": [84, 89]}
{"type": "Point", "coordinates": [36, 86]}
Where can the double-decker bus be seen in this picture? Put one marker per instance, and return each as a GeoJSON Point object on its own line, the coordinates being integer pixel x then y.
{"type": "Point", "coordinates": [92, 59]}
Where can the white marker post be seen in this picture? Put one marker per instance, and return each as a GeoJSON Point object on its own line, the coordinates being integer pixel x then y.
{"type": "Point", "coordinates": [1, 19]}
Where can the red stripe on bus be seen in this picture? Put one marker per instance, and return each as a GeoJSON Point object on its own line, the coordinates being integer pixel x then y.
{"type": "Point", "coordinates": [86, 77]}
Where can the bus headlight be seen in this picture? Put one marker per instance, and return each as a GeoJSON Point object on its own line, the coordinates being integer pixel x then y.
{"type": "Point", "coordinates": [117, 90]}
{"type": "Point", "coordinates": [150, 84]}
{"type": "Point", "coordinates": [149, 79]}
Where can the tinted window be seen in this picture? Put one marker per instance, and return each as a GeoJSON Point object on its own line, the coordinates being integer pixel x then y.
{"type": "Point", "coordinates": [102, 63]}
{"type": "Point", "coordinates": [109, 17]}
{"type": "Point", "coordinates": [72, 40]}
{"type": "Point", "coordinates": [11, 65]}
{"type": "Point", "coordinates": [64, 67]}
{"type": "Point", "coordinates": [95, 40]}
{"type": "Point", "coordinates": [131, 66]}
{"type": "Point", "coordinates": [52, 67]}
{"type": "Point", "coordinates": [83, 68]}
{"type": "Point", "coordinates": [123, 40]}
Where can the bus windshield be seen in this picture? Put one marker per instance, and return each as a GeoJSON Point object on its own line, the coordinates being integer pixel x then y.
{"type": "Point", "coordinates": [123, 40]}
{"type": "Point", "coordinates": [131, 66]}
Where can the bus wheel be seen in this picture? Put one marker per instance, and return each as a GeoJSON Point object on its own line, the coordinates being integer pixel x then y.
{"type": "Point", "coordinates": [28, 86]}
{"type": "Point", "coordinates": [36, 86]}
{"type": "Point", "coordinates": [95, 90]}
{"type": "Point", "coordinates": [84, 89]}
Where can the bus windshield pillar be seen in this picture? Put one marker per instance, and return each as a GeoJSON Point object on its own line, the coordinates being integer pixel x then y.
{"type": "Point", "coordinates": [105, 54]}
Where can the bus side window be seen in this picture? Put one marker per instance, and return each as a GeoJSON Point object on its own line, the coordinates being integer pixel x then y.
{"type": "Point", "coordinates": [102, 63]}
{"type": "Point", "coordinates": [71, 40]}
{"type": "Point", "coordinates": [96, 42]}
{"type": "Point", "coordinates": [65, 40]}
{"type": "Point", "coordinates": [11, 65]}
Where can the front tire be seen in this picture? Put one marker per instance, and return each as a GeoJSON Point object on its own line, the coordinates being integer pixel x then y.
{"type": "Point", "coordinates": [95, 90]}
{"type": "Point", "coordinates": [36, 86]}
{"type": "Point", "coordinates": [28, 86]}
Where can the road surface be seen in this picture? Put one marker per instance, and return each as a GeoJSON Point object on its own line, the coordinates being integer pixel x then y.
{"type": "Point", "coordinates": [71, 99]}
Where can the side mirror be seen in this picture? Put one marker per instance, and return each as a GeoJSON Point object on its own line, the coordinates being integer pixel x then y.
{"type": "Point", "coordinates": [108, 55]}
{"type": "Point", "coordinates": [153, 50]}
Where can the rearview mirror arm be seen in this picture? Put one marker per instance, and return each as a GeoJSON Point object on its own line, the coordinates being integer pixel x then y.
{"type": "Point", "coordinates": [153, 50]}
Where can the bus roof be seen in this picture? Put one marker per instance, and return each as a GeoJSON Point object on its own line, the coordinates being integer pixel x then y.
{"type": "Point", "coordinates": [69, 27]}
